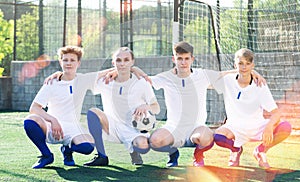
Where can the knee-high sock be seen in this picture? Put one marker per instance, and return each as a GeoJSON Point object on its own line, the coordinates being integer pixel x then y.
{"type": "Point", "coordinates": [95, 129]}
{"type": "Point", "coordinates": [37, 136]}
{"type": "Point", "coordinates": [280, 133]}
{"type": "Point", "coordinates": [140, 150]}
{"type": "Point", "coordinates": [166, 148]}
{"type": "Point", "coordinates": [83, 148]}
{"type": "Point", "coordinates": [200, 149]}
{"type": "Point", "coordinates": [223, 141]}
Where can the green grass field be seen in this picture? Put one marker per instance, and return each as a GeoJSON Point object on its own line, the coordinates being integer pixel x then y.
{"type": "Point", "coordinates": [17, 154]}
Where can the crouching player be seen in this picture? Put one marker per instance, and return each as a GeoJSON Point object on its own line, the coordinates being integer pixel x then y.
{"type": "Point", "coordinates": [64, 99]}
{"type": "Point", "coordinates": [122, 98]}
{"type": "Point", "coordinates": [244, 103]}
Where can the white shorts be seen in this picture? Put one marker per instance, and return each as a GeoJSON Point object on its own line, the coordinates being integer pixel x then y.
{"type": "Point", "coordinates": [121, 133]}
{"type": "Point", "coordinates": [70, 130]}
{"type": "Point", "coordinates": [245, 134]}
{"type": "Point", "coordinates": [180, 133]}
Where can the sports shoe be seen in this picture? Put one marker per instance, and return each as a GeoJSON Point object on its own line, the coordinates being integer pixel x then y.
{"type": "Point", "coordinates": [234, 159]}
{"type": "Point", "coordinates": [261, 158]}
{"type": "Point", "coordinates": [97, 161]}
{"type": "Point", "coordinates": [43, 161]}
{"type": "Point", "coordinates": [68, 157]}
{"type": "Point", "coordinates": [136, 158]}
{"type": "Point", "coordinates": [198, 158]}
{"type": "Point", "coordinates": [173, 162]}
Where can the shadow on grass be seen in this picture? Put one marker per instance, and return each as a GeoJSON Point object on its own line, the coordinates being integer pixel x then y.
{"type": "Point", "coordinates": [153, 173]}
{"type": "Point", "coordinates": [149, 173]}
{"type": "Point", "coordinates": [112, 173]}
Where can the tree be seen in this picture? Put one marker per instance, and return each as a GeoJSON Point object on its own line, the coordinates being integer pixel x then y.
{"type": "Point", "coordinates": [27, 36]}
{"type": "Point", "coordinates": [6, 43]}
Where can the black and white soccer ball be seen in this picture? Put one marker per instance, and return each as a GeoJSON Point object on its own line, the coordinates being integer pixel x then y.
{"type": "Point", "coordinates": [144, 123]}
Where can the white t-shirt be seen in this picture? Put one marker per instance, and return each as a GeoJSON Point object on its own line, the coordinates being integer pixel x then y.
{"type": "Point", "coordinates": [185, 98]}
{"type": "Point", "coordinates": [65, 98]}
{"type": "Point", "coordinates": [120, 99]}
{"type": "Point", "coordinates": [244, 106]}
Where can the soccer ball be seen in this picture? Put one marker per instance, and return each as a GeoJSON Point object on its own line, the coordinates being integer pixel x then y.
{"type": "Point", "coordinates": [144, 123]}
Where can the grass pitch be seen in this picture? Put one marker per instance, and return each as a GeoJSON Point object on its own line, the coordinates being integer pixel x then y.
{"type": "Point", "coordinates": [17, 154]}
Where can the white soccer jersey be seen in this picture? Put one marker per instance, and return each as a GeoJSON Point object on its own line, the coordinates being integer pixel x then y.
{"type": "Point", "coordinates": [244, 106]}
{"type": "Point", "coordinates": [185, 100]}
{"type": "Point", "coordinates": [65, 98]}
{"type": "Point", "coordinates": [120, 99]}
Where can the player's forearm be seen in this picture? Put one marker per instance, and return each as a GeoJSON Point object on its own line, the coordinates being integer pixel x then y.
{"type": "Point", "coordinates": [223, 73]}
{"type": "Point", "coordinates": [104, 72]}
{"type": "Point", "coordinates": [154, 108]}
{"type": "Point", "coordinates": [38, 110]}
{"type": "Point", "coordinates": [274, 119]}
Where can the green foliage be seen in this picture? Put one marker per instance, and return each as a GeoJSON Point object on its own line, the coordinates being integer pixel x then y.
{"type": "Point", "coordinates": [27, 36]}
{"type": "Point", "coordinates": [200, 29]}
{"type": "Point", "coordinates": [6, 40]}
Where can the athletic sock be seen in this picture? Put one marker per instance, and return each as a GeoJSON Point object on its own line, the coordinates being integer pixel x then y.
{"type": "Point", "coordinates": [141, 151]}
{"type": "Point", "coordinates": [37, 136]}
{"type": "Point", "coordinates": [83, 148]}
{"type": "Point", "coordinates": [204, 148]}
{"type": "Point", "coordinates": [223, 141]}
{"type": "Point", "coordinates": [95, 129]}
{"type": "Point", "coordinates": [168, 148]}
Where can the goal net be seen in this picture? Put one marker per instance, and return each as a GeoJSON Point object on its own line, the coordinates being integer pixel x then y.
{"type": "Point", "coordinates": [270, 28]}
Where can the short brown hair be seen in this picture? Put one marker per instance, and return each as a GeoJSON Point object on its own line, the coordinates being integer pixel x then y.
{"type": "Point", "coordinates": [245, 53]}
{"type": "Point", "coordinates": [70, 49]}
{"type": "Point", "coordinates": [183, 47]}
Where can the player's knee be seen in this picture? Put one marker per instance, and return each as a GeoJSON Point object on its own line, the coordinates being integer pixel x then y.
{"type": "Point", "coordinates": [33, 117]}
{"type": "Point", "coordinates": [155, 141]}
{"type": "Point", "coordinates": [219, 138]}
{"type": "Point", "coordinates": [91, 113]}
{"type": "Point", "coordinates": [205, 137]}
{"type": "Point", "coordinates": [29, 124]}
{"type": "Point", "coordinates": [141, 142]}
{"type": "Point", "coordinates": [284, 128]}
{"type": "Point", "coordinates": [92, 117]}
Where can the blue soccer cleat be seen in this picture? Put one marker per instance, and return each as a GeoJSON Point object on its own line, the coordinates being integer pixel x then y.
{"type": "Point", "coordinates": [43, 161]}
{"type": "Point", "coordinates": [173, 162]}
{"type": "Point", "coordinates": [68, 157]}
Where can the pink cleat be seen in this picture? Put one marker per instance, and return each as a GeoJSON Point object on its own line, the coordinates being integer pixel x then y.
{"type": "Point", "coordinates": [234, 159]}
{"type": "Point", "coordinates": [261, 158]}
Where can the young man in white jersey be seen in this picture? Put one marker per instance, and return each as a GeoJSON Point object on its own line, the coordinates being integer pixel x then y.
{"type": "Point", "coordinates": [124, 97]}
{"type": "Point", "coordinates": [245, 103]}
{"type": "Point", "coordinates": [185, 97]}
{"type": "Point", "coordinates": [63, 100]}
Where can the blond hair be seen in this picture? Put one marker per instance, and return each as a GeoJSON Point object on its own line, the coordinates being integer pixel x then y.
{"type": "Point", "coordinates": [244, 53]}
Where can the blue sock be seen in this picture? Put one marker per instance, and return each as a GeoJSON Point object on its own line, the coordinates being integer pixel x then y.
{"type": "Point", "coordinates": [37, 136]}
{"type": "Point", "coordinates": [141, 151]}
{"type": "Point", "coordinates": [166, 148]}
{"type": "Point", "coordinates": [223, 141]}
{"type": "Point", "coordinates": [83, 148]}
{"type": "Point", "coordinates": [95, 129]}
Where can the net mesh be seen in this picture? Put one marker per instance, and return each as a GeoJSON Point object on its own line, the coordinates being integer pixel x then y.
{"type": "Point", "coordinates": [269, 28]}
